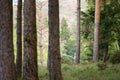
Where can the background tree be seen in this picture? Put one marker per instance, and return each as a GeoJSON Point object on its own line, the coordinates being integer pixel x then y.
{"type": "Point", "coordinates": [77, 53]}
{"type": "Point", "coordinates": [64, 32]}
{"type": "Point", "coordinates": [19, 39]}
{"type": "Point", "coordinates": [7, 66]}
{"type": "Point", "coordinates": [54, 58]}
{"type": "Point", "coordinates": [108, 34]}
{"type": "Point", "coordinates": [42, 30]}
{"type": "Point", "coordinates": [30, 69]}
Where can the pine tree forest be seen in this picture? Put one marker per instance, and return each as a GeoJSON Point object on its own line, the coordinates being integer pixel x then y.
{"type": "Point", "coordinates": [59, 39]}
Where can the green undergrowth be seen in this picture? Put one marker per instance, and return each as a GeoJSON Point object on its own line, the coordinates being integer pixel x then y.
{"type": "Point", "coordinates": [85, 72]}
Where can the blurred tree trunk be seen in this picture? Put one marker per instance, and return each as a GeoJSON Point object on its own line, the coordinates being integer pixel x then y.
{"type": "Point", "coordinates": [40, 28]}
{"type": "Point", "coordinates": [30, 69]}
{"type": "Point", "coordinates": [96, 30]}
{"type": "Point", "coordinates": [54, 58]}
{"type": "Point", "coordinates": [7, 66]}
{"type": "Point", "coordinates": [19, 39]}
{"type": "Point", "coordinates": [77, 54]}
{"type": "Point", "coordinates": [105, 57]}
{"type": "Point", "coordinates": [41, 49]}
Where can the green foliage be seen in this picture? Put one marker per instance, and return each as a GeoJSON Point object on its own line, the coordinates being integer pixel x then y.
{"type": "Point", "coordinates": [66, 59]}
{"type": "Point", "coordinates": [90, 72]}
{"type": "Point", "coordinates": [102, 66]}
{"type": "Point", "coordinates": [115, 58]}
{"type": "Point", "coordinates": [109, 24]}
{"type": "Point", "coordinates": [45, 21]}
{"type": "Point", "coordinates": [64, 33]}
{"type": "Point", "coordinates": [67, 44]}
{"type": "Point", "coordinates": [69, 47]}
{"type": "Point", "coordinates": [43, 73]}
{"type": "Point", "coordinates": [84, 72]}
{"type": "Point", "coordinates": [87, 20]}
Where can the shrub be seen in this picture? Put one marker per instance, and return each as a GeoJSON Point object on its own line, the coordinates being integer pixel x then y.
{"type": "Point", "coordinates": [101, 66]}
{"type": "Point", "coordinates": [66, 59]}
{"type": "Point", "coordinates": [115, 58]}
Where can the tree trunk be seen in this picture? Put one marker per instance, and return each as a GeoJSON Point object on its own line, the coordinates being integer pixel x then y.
{"type": "Point", "coordinates": [54, 59]}
{"type": "Point", "coordinates": [105, 57]}
{"type": "Point", "coordinates": [19, 39]}
{"type": "Point", "coordinates": [7, 66]}
{"type": "Point", "coordinates": [30, 69]}
{"type": "Point", "coordinates": [77, 54]}
{"type": "Point", "coordinates": [41, 49]}
{"type": "Point", "coordinates": [96, 31]}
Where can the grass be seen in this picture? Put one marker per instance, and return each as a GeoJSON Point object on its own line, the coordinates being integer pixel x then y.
{"type": "Point", "coordinates": [84, 72]}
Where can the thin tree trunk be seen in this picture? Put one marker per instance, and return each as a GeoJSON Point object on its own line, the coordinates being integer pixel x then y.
{"type": "Point", "coordinates": [105, 57]}
{"type": "Point", "coordinates": [7, 66]}
{"type": "Point", "coordinates": [77, 54]}
{"type": "Point", "coordinates": [54, 58]}
{"type": "Point", "coordinates": [30, 69]}
{"type": "Point", "coordinates": [19, 39]}
{"type": "Point", "coordinates": [41, 49]}
{"type": "Point", "coordinates": [96, 31]}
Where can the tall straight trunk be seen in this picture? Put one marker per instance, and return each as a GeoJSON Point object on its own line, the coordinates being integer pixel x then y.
{"type": "Point", "coordinates": [7, 66]}
{"type": "Point", "coordinates": [96, 31]}
{"type": "Point", "coordinates": [19, 39]}
{"type": "Point", "coordinates": [119, 42]}
{"type": "Point", "coordinates": [41, 49]}
{"type": "Point", "coordinates": [77, 54]}
{"type": "Point", "coordinates": [54, 58]}
{"type": "Point", "coordinates": [30, 69]}
{"type": "Point", "coordinates": [105, 57]}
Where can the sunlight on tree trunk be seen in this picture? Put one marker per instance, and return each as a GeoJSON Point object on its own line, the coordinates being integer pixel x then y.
{"type": "Point", "coordinates": [96, 30]}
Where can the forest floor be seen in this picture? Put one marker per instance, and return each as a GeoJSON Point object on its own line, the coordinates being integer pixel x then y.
{"type": "Point", "coordinates": [89, 71]}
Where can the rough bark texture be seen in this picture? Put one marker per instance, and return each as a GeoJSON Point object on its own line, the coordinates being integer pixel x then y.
{"type": "Point", "coordinates": [96, 30]}
{"type": "Point", "coordinates": [19, 39]}
{"type": "Point", "coordinates": [54, 59]}
{"type": "Point", "coordinates": [30, 68]}
{"type": "Point", "coordinates": [7, 66]}
{"type": "Point", "coordinates": [77, 54]}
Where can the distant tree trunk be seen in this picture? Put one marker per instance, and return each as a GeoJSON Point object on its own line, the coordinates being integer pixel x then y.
{"type": "Point", "coordinates": [30, 69]}
{"type": "Point", "coordinates": [54, 58]}
{"type": "Point", "coordinates": [41, 49]}
{"type": "Point", "coordinates": [7, 66]}
{"type": "Point", "coordinates": [19, 39]}
{"type": "Point", "coordinates": [96, 30]}
{"type": "Point", "coordinates": [119, 42]}
{"type": "Point", "coordinates": [105, 57]}
{"type": "Point", "coordinates": [77, 54]}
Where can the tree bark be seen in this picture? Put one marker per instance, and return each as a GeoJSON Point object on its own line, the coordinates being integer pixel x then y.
{"type": "Point", "coordinates": [77, 54]}
{"type": "Point", "coordinates": [96, 31]}
{"type": "Point", "coordinates": [7, 66]}
{"type": "Point", "coordinates": [19, 39]}
{"type": "Point", "coordinates": [54, 58]}
{"type": "Point", "coordinates": [30, 69]}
